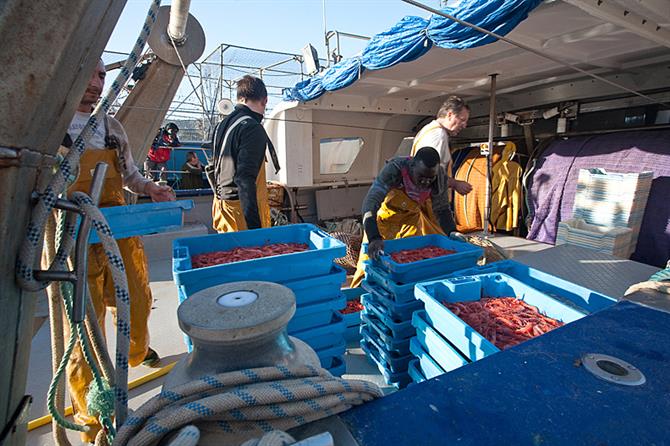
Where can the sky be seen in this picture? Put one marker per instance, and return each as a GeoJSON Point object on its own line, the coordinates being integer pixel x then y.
{"type": "Point", "coordinates": [279, 25]}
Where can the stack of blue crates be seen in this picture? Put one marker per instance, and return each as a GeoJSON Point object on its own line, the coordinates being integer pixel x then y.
{"type": "Point", "coordinates": [444, 342]}
{"type": "Point", "coordinates": [387, 328]}
{"type": "Point", "coordinates": [312, 276]}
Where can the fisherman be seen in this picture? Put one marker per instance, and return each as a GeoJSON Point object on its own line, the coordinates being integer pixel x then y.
{"type": "Point", "coordinates": [399, 204]}
{"type": "Point", "coordinates": [452, 117]}
{"type": "Point", "coordinates": [160, 151]}
{"type": "Point", "coordinates": [109, 144]}
{"type": "Point", "coordinates": [239, 144]}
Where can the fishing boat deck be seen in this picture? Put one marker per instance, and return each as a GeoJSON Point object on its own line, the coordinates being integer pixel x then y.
{"type": "Point", "coordinates": [599, 272]}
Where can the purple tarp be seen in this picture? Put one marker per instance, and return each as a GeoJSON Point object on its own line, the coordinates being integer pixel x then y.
{"type": "Point", "coordinates": [551, 191]}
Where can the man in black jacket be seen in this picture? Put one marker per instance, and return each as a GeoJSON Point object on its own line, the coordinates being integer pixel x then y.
{"type": "Point", "coordinates": [239, 143]}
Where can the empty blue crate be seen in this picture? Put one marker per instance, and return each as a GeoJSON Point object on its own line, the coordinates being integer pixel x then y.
{"type": "Point", "coordinates": [316, 261]}
{"type": "Point", "coordinates": [318, 289]}
{"type": "Point", "coordinates": [338, 367]}
{"type": "Point", "coordinates": [472, 288]}
{"type": "Point", "coordinates": [327, 355]}
{"type": "Point", "coordinates": [414, 371]}
{"type": "Point", "coordinates": [352, 320]}
{"type": "Point", "coordinates": [143, 219]}
{"type": "Point", "coordinates": [385, 300]}
{"type": "Point", "coordinates": [399, 380]}
{"type": "Point", "coordinates": [442, 352]}
{"type": "Point", "coordinates": [466, 255]}
{"type": "Point", "coordinates": [314, 314]}
{"type": "Point", "coordinates": [384, 334]}
{"type": "Point", "coordinates": [567, 292]}
{"type": "Point", "coordinates": [398, 328]}
{"type": "Point", "coordinates": [429, 367]}
{"type": "Point", "coordinates": [393, 360]}
{"type": "Point", "coordinates": [323, 336]}
{"type": "Point", "coordinates": [399, 292]}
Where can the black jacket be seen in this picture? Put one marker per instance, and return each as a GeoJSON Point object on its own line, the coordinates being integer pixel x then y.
{"type": "Point", "coordinates": [237, 165]}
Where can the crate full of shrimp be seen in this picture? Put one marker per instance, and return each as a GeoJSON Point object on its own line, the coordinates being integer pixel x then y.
{"type": "Point", "coordinates": [279, 254]}
{"type": "Point", "coordinates": [481, 315]}
{"type": "Point", "coordinates": [422, 257]}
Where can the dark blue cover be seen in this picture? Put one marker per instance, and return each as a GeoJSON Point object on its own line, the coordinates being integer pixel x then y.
{"type": "Point", "coordinates": [537, 393]}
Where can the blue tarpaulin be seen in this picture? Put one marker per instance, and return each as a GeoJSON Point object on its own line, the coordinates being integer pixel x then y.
{"type": "Point", "coordinates": [412, 37]}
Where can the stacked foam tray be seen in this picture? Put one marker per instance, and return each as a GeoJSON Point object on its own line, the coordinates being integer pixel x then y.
{"type": "Point", "coordinates": [311, 275]}
{"type": "Point", "coordinates": [387, 330]}
{"type": "Point", "coordinates": [444, 342]}
{"type": "Point", "coordinates": [608, 200]}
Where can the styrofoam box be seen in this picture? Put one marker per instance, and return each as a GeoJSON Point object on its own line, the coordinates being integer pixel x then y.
{"type": "Point", "coordinates": [615, 241]}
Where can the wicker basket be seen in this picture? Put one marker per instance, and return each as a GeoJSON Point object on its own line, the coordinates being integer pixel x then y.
{"type": "Point", "coordinates": [275, 195]}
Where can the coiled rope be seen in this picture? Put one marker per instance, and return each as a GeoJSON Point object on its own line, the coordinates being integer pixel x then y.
{"type": "Point", "coordinates": [31, 247]}
{"type": "Point", "coordinates": [241, 405]}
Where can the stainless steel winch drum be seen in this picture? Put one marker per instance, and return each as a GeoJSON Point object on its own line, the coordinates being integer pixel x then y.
{"type": "Point", "coordinates": [236, 326]}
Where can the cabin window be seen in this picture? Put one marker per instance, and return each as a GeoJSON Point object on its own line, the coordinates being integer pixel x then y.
{"type": "Point", "coordinates": [338, 154]}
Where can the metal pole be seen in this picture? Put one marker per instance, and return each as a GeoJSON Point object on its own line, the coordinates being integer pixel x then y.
{"type": "Point", "coordinates": [492, 122]}
{"type": "Point", "coordinates": [325, 34]}
{"type": "Point", "coordinates": [178, 19]}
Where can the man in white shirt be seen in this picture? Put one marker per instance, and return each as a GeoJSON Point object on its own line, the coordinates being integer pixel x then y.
{"type": "Point", "coordinates": [451, 119]}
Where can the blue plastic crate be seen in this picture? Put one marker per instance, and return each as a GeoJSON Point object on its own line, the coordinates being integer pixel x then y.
{"type": "Point", "coordinates": [327, 355]}
{"type": "Point", "coordinates": [466, 256]}
{"type": "Point", "coordinates": [398, 329]}
{"type": "Point", "coordinates": [338, 367]}
{"type": "Point", "coordinates": [560, 289]}
{"type": "Point", "coordinates": [393, 361]}
{"type": "Point", "coordinates": [471, 288]}
{"type": "Point", "coordinates": [324, 336]}
{"type": "Point", "coordinates": [399, 292]}
{"type": "Point", "coordinates": [399, 312]}
{"type": "Point", "coordinates": [399, 380]}
{"type": "Point", "coordinates": [316, 289]}
{"type": "Point", "coordinates": [415, 372]}
{"type": "Point", "coordinates": [352, 320]}
{"type": "Point", "coordinates": [391, 344]}
{"type": "Point", "coordinates": [315, 314]}
{"type": "Point", "coordinates": [444, 354]}
{"type": "Point", "coordinates": [429, 367]}
{"type": "Point", "coordinates": [317, 261]}
{"type": "Point", "coordinates": [144, 219]}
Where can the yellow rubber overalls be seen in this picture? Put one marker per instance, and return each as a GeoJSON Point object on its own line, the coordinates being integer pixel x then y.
{"type": "Point", "coordinates": [398, 217]}
{"type": "Point", "coordinates": [227, 215]}
{"type": "Point", "coordinates": [101, 285]}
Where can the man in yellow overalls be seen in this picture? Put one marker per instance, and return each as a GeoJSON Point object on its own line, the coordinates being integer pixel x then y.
{"type": "Point", "coordinates": [399, 204]}
{"type": "Point", "coordinates": [239, 144]}
{"type": "Point", "coordinates": [109, 144]}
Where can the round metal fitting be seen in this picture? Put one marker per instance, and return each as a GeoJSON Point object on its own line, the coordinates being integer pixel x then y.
{"type": "Point", "coordinates": [237, 299]}
{"type": "Point", "coordinates": [236, 312]}
{"type": "Point", "coordinates": [190, 49]}
{"type": "Point", "coordinates": [613, 370]}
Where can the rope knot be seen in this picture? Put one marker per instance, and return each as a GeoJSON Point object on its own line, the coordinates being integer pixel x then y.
{"type": "Point", "coordinates": [100, 401]}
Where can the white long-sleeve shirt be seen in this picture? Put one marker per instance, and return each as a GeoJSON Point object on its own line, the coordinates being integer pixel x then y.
{"type": "Point", "coordinates": [435, 136]}
{"type": "Point", "coordinates": [132, 179]}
